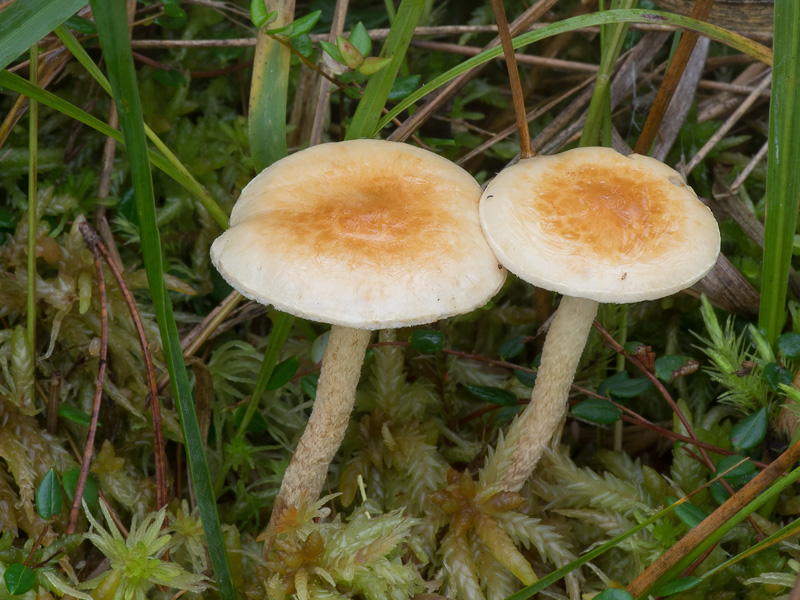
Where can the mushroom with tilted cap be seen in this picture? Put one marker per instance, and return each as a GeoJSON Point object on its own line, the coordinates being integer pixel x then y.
{"type": "Point", "coordinates": [595, 226]}
{"type": "Point", "coordinates": [365, 235]}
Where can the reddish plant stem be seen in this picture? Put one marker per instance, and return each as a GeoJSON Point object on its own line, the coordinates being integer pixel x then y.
{"type": "Point", "coordinates": [101, 373]}
{"type": "Point", "coordinates": [666, 395]}
{"type": "Point", "coordinates": [96, 245]}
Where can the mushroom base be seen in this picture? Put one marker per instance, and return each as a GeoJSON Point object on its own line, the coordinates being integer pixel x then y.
{"type": "Point", "coordinates": [533, 430]}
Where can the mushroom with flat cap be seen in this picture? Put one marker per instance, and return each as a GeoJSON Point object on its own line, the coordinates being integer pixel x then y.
{"type": "Point", "coordinates": [362, 234]}
{"type": "Point", "coordinates": [595, 226]}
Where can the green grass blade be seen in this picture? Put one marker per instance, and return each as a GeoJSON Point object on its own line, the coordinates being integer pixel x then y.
{"type": "Point", "coordinates": [111, 23]}
{"type": "Point", "coordinates": [561, 572]}
{"type": "Point", "coordinates": [377, 91]}
{"type": "Point", "coordinates": [18, 84]}
{"type": "Point", "coordinates": [266, 127]}
{"type": "Point", "coordinates": [33, 193]}
{"type": "Point", "coordinates": [734, 40]}
{"type": "Point", "coordinates": [783, 176]}
{"type": "Point", "coordinates": [599, 108]}
{"type": "Point", "coordinates": [189, 182]}
{"type": "Point", "coordinates": [25, 22]}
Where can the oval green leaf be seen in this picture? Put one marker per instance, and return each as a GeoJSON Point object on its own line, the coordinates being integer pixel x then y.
{"type": "Point", "coordinates": [169, 77]}
{"type": "Point", "coordinates": [19, 579]}
{"type": "Point", "coordinates": [70, 480]}
{"type": "Point", "coordinates": [48, 496]}
{"type": "Point", "coordinates": [690, 514]}
{"type": "Point", "coordinates": [621, 385]}
{"type": "Point", "coordinates": [70, 413]}
{"type": "Point", "coordinates": [678, 585]}
{"type": "Point", "coordinates": [667, 365]}
{"type": "Point", "coordinates": [614, 594]}
{"type": "Point", "coordinates": [740, 474]}
{"type": "Point", "coordinates": [597, 410]}
{"type": "Point", "coordinates": [81, 25]}
{"type": "Point", "coordinates": [426, 341]}
{"type": "Point", "coordinates": [256, 424]}
{"type": "Point", "coordinates": [776, 375]}
{"type": "Point", "coordinates": [789, 345]}
{"type": "Point", "coordinates": [493, 395]}
{"type": "Point", "coordinates": [512, 347]}
{"type": "Point", "coordinates": [283, 373]}
{"type": "Point", "coordinates": [309, 385]}
{"type": "Point", "coordinates": [750, 431]}
{"type": "Point", "coordinates": [525, 378]}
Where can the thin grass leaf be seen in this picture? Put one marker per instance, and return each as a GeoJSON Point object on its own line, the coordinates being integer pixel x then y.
{"type": "Point", "coordinates": [18, 84]}
{"type": "Point", "coordinates": [26, 22]}
{"type": "Point", "coordinates": [783, 177]}
{"type": "Point", "coordinates": [734, 40]}
{"type": "Point", "coordinates": [377, 91]}
{"type": "Point", "coordinates": [111, 23]}
{"type": "Point", "coordinates": [268, 91]}
{"type": "Point", "coordinates": [190, 183]}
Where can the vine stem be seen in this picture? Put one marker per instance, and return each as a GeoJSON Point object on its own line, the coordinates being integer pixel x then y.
{"type": "Point", "coordinates": [98, 249]}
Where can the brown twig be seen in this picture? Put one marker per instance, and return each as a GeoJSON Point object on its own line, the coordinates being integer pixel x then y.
{"type": "Point", "coordinates": [671, 80]}
{"type": "Point", "coordinates": [513, 79]}
{"type": "Point", "coordinates": [101, 373]}
{"type": "Point", "coordinates": [96, 245]}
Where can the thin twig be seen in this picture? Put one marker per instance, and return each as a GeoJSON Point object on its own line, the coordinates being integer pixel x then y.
{"type": "Point", "coordinates": [101, 373]}
{"type": "Point", "coordinates": [96, 245]}
{"type": "Point", "coordinates": [513, 79]}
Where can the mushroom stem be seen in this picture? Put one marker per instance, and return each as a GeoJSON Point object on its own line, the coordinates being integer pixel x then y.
{"type": "Point", "coordinates": [336, 391]}
{"type": "Point", "coordinates": [533, 430]}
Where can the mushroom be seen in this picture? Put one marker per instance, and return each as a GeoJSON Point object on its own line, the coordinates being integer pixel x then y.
{"type": "Point", "coordinates": [364, 235]}
{"type": "Point", "coordinates": [595, 226]}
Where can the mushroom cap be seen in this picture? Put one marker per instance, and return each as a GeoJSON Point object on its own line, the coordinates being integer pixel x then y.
{"type": "Point", "coordinates": [595, 224]}
{"type": "Point", "coordinates": [365, 233]}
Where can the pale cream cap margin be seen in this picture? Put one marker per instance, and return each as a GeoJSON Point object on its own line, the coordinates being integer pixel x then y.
{"type": "Point", "coordinates": [592, 223]}
{"type": "Point", "coordinates": [366, 233]}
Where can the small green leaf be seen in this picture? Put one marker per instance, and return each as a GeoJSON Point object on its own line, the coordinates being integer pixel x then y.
{"type": "Point", "coordinates": [170, 77]}
{"type": "Point", "coordinates": [690, 514]}
{"type": "Point", "coordinates": [614, 594]}
{"type": "Point", "coordinates": [173, 11]}
{"type": "Point", "coordinates": [776, 375]}
{"type": "Point", "coordinates": [678, 585]}
{"type": "Point", "coordinates": [630, 347]}
{"type": "Point", "coordinates": [70, 413]}
{"type": "Point", "coordinates": [81, 25]}
{"type": "Point", "coordinates": [372, 65]}
{"type": "Point", "coordinates": [512, 347]}
{"type": "Point", "coordinates": [309, 385]}
{"type": "Point", "coordinates": [70, 481]}
{"type": "Point", "coordinates": [298, 27]}
{"type": "Point", "coordinates": [739, 475]}
{"type": "Point", "coordinates": [332, 51]}
{"type": "Point", "coordinates": [48, 496]}
{"type": "Point", "coordinates": [360, 39]}
{"type": "Point", "coordinates": [596, 410]}
{"type": "Point", "coordinates": [621, 385]}
{"type": "Point", "coordinates": [493, 395]}
{"type": "Point", "coordinates": [789, 345]}
{"type": "Point", "coordinates": [525, 378]}
{"type": "Point", "coordinates": [283, 373]}
{"type": "Point", "coordinates": [319, 345]}
{"type": "Point", "coordinates": [352, 57]}
{"type": "Point", "coordinates": [403, 86]}
{"type": "Point", "coordinates": [750, 431]}
{"type": "Point", "coordinates": [303, 45]}
{"type": "Point", "coordinates": [667, 365]}
{"type": "Point", "coordinates": [19, 579]}
{"type": "Point", "coordinates": [719, 493]}
{"type": "Point", "coordinates": [256, 424]}
{"type": "Point", "coordinates": [426, 341]}
{"type": "Point", "coordinates": [259, 14]}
